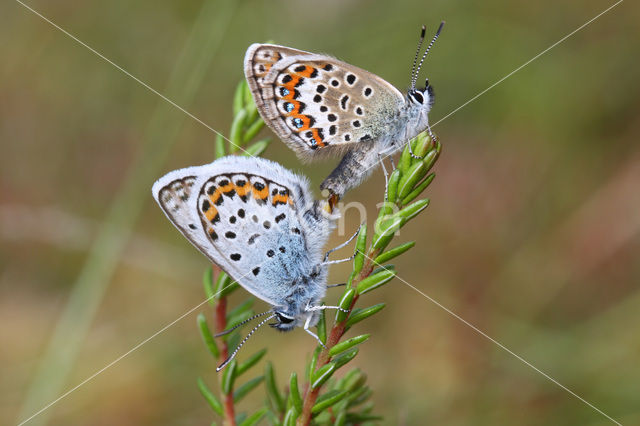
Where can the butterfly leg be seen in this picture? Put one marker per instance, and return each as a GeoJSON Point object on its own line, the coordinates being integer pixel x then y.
{"type": "Point", "coordinates": [315, 336]}
{"type": "Point", "coordinates": [381, 156]}
{"type": "Point", "coordinates": [384, 171]}
{"type": "Point", "coordinates": [417, 157]}
{"type": "Point", "coordinates": [433, 138]}
{"type": "Point", "coordinates": [323, 307]}
{"type": "Point", "coordinates": [336, 285]}
{"type": "Point", "coordinates": [326, 255]}
{"type": "Point", "coordinates": [431, 135]}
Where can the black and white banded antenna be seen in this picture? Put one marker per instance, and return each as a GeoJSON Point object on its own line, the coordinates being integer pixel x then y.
{"type": "Point", "coordinates": [222, 333]}
{"type": "Point", "coordinates": [433, 40]}
{"type": "Point", "coordinates": [235, 351]}
{"type": "Point", "coordinates": [414, 75]}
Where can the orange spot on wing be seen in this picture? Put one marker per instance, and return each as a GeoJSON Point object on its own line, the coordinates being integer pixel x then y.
{"type": "Point", "coordinates": [211, 213]}
{"type": "Point", "coordinates": [296, 108]}
{"type": "Point", "coordinates": [306, 122]}
{"type": "Point", "coordinates": [243, 190]}
{"type": "Point", "coordinates": [278, 198]}
{"type": "Point", "coordinates": [307, 71]}
{"type": "Point", "coordinates": [215, 196]}
{"type": "Point", "coordinates": [261, 195]}
{"type": "Point", "coordinates": [228, 187]}
{"type": "Point", "coordinates": [316, 137]}
{"type": "Point", "coordinates": [291, 84]}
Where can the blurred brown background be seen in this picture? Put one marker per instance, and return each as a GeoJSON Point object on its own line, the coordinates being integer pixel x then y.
{"type": "Point", "coordinates": [532, 234]}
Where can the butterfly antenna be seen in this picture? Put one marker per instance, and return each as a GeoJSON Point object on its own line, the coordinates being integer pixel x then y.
{"type": "Point", "coordinates": [414, 76]}
{"type": "Point", "coordinates": [433, 40]}
{"type": "Point", "coordinates": [230, 358]}
{"type": "Point", "coordinates": [222, 333]}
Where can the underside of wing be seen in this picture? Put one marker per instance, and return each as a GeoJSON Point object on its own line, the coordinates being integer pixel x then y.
{"type": "Point", "coordinates": [258, 62]}
{"type": "Point", "coordinates": [247, 216]}
{"type": "Point", "coordinates": [316, 102]}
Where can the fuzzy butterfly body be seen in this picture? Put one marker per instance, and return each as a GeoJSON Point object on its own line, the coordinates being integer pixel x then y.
{"type": "Point", "coordinates": [258, 222]}
{"type": "Point", "coordinates": [320, 105]}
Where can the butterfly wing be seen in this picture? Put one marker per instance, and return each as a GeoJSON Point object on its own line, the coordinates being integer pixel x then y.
{"type": "Point", "coordinates": [247, 215]}
{"type": "Point", "coordinates": [316, 102]}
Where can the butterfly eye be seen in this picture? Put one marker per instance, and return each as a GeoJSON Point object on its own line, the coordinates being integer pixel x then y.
{"type": "Point", "coordinates": [283, 319]}
{"type": "Point", "coordinates": [417, 97]}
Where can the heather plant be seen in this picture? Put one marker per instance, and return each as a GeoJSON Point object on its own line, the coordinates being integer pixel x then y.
{"type": "Point", "coordinates": [328, 391]}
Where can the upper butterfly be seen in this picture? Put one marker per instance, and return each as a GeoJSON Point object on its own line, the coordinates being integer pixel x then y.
{"type": "Point", "coordinates": [320, 105]}
{"type": "Point", "coordinates": [260, 224]}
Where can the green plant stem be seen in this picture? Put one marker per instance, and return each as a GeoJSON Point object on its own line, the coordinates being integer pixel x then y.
{"type": "Point", "coordinates": [336, 333]}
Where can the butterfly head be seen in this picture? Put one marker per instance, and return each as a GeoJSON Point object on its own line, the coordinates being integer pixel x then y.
{"type": "Point", "coordinates": [421, 97]}
{"type": "Point", "coordinates": [287, 321]}
{"type": "Point", "coordinates": [284, 321]}
{"type": "Point", "coordinates": [307, 291]}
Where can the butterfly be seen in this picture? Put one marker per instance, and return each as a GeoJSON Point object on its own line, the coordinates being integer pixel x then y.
{"type": "Point", "coordinates": [321, 106]}
{"type": "Point", "coordinates": [259, 223]}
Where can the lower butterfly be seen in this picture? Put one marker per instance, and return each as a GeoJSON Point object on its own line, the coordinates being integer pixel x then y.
{"type": "Point", "coordinates": [259, 223]}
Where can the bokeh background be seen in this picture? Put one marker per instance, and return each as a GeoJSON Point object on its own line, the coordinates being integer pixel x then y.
{"type": "Point", "coordinates": [533, 233]}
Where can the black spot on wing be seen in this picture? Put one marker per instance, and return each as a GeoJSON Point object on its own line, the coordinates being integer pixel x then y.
{"type": "Point", "coordinates": [343, 102]}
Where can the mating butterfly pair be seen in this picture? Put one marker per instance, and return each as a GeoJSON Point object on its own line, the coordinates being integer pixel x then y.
{"type": "Point", "coordinates": [257, 220]}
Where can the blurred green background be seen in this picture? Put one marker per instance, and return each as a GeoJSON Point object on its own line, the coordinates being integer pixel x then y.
{"type": "Point", "coordinates": [533, 234]}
